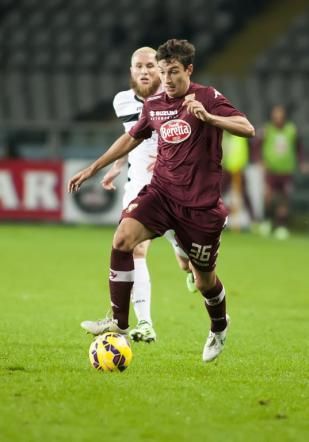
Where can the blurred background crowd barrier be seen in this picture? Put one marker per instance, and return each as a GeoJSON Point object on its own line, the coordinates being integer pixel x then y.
{"type": "Point", "coordinates": [62, 62]}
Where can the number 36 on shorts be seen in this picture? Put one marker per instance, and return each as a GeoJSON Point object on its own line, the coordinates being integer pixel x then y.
{"type": "Point", "coordinates": [200, 254]}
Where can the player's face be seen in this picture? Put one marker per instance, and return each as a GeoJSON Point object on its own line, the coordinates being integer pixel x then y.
{"type": "Point", "coordinates": [278, 116]}
{"type": "Point", "coordinates": [145, 78]}
{"type": "Point", "coordinates": [175, 78]}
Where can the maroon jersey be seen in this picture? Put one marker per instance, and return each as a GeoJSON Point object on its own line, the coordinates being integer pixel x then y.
{"type": "Point", "coordinates": [188, 166]}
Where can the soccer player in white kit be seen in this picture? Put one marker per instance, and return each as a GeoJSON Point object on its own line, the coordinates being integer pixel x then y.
{"type": "Point", "coordinates": [128, 105]}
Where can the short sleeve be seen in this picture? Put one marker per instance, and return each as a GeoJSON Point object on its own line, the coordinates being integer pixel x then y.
{"type": "Point", "coordinates": [142, 128]}
{"type": "Point", "coordinates": [218, 104]}
{"type": "Point", "coordinates": [117, 104]}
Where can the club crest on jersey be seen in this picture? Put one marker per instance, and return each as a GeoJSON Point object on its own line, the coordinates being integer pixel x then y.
{"type": "Point", "coordinates": [175, 131]}
{"type": "Point", "coordinates": [131, 207]}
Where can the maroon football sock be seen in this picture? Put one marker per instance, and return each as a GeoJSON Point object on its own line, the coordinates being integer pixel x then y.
{"type": "Point", "coordinates": [216, 307]}
{"type": "Point", "coordinates": [121, 280]}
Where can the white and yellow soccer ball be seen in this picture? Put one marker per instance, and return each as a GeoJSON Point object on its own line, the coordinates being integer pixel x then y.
{"type": "Point", "coordinates": [110, 352]}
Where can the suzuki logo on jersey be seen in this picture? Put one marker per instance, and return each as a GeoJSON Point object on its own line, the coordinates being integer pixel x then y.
{"type": "Point", "coordinates": [163, 115]}
{"type": "Point", "coordinates": [175, 131]}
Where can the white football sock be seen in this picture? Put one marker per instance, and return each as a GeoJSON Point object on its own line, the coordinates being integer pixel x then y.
{"type": "Point", "coordinates": [141, 291]}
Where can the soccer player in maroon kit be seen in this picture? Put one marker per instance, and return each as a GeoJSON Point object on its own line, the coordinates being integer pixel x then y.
{"type": "Point", "coordinates": [184, 194]}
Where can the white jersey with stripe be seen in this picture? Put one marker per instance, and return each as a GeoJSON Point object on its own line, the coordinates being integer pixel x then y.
{"type": "Point", "coordinates": [128, 108]}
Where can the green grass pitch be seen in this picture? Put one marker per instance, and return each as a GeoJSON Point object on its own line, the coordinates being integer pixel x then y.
{"type": "Point", "coordinates": [52, 277]}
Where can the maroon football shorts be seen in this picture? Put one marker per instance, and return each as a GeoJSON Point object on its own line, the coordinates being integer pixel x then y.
{"type": "Point", "coordinates": [197, 231]}
{"type": "Point", "coordinates": [280, 184]}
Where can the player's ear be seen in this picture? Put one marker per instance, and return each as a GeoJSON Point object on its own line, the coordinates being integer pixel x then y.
{"type": "Point", "coordinates": [190, 69]}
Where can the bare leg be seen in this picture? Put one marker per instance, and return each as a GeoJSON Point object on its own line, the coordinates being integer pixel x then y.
{"type": "Point", "coordinates": [182, 260]}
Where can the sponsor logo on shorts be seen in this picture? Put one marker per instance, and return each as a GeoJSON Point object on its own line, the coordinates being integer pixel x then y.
{"type": "Point", "coordinates": [175, 131]}
{"type": "Point", "coordinates": [131, 207]}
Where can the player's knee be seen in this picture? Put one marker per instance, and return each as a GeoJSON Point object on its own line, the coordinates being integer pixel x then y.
{"type": "Point", "coordinates": [123, 242]}
{"type": "Point", "coordinates": [122, 245]}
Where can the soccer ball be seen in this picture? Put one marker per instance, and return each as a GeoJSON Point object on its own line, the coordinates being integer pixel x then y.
{"type": "Point", "coordinates": [110, 352]}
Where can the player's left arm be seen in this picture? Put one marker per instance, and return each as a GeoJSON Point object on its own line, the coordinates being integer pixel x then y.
{"type": "Point", "coordinates": [235, 124]}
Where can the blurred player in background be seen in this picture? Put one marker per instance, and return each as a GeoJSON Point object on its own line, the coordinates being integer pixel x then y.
{"type": "Point", "coordinates": [280, 153]}
{"type": "Point", "coordinates": [184, 193]}
{"type": "Point", "coordinates": [234, 183]}
{"type": "Point", "coordinates": [145, 81]}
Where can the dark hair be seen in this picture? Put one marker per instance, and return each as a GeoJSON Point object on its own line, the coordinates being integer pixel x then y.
{"type": "Point", "coordinates": [179, 50]}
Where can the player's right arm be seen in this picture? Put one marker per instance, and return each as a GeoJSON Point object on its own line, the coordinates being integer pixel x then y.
{"type": "Point", "coordinates": [121, 147]}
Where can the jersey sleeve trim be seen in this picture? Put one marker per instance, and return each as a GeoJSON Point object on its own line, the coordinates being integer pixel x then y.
{"type": "Point", "coordinates": [128, 118]}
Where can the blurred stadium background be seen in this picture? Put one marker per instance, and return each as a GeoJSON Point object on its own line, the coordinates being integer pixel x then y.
{"type": "Point", "coordinates": [61, 63]}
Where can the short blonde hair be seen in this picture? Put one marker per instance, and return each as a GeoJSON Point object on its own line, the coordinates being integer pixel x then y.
{"type": "Point", "coordinates": [143, 50]}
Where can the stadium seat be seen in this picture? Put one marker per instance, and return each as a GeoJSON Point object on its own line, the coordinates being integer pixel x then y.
{"type": "Point", "coordinates": [41, 103]}
{"type": "Point", "coordinates": [62, 96]}
{"type": "Point", "coordinates": [84, 85]}
{"type": "Point", "coordinates": [15, 84]}
{"type": "Point", "coordinates": [304, 64]}
{"type": "Point", "coordinates": [73, 40]}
